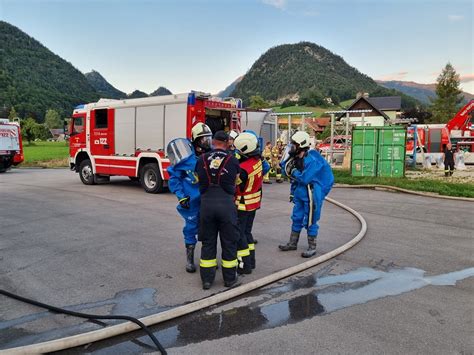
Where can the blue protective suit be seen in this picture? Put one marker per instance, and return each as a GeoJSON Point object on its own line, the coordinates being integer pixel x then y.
{"type": "Point", "coordinates": [184, 182]}
{"type": "Point", "coordinates": [316, 174]}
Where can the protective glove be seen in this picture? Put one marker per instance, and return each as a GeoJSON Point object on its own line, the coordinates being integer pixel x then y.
{"type": "Point", "coordinates": [184, 202]}
{"type": "Point", "coordinates": [291, 198]}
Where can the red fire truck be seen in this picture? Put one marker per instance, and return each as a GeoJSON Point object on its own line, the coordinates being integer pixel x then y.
{"type": "Point", "coordinates": [11, 146]}
{"type": "Point", "coordinates": [433, 138]}
{"type": "Point", "coordinates": [129, 137]}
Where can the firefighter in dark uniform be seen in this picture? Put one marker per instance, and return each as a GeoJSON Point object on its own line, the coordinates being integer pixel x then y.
{"type": "Point", "coordinates": [217, 172]}
{"type": "Point", "coordinates": [248, 197]}
{"type": "Point", "coordinates": [449, 160]}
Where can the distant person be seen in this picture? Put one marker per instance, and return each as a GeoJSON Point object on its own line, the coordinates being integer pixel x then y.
{"type": "Point", "coordinates": [448, 157]}
{"type": "Point", "coordinates": [277, 152]}
{"type": "Point", "coordinates": [267, 155]}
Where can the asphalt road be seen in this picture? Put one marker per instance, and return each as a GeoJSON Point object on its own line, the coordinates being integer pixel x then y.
{"type": "Point", "coordinates": [115, 249]}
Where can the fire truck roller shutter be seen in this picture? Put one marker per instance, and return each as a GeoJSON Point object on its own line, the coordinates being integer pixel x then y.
{"type": "Point", "coordinates": [149, 134]}
{"type": "Point", "coordinates": [124, 125]}
{"type": "Point", "coordinates": [175, 122]}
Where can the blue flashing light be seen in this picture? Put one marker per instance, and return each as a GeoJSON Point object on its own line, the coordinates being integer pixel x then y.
{"type": "Point", "coordinates": [192, 98]}
{"type": "Point", "coordinates": [78, 107]}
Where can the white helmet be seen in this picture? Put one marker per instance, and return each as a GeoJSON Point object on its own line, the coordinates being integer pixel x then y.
{"type": "Point", "coordinates": [200, 130]}
{"type": "Point", "coordinates": [302, 139]}
{"type": "Point", "coordinates": [246, 143]}
{"type": "Point", "coordinates": [233, 134]}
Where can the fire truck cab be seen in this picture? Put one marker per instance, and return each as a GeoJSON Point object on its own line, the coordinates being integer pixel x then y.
{"type": "Point", "coordinates": [129, 137]}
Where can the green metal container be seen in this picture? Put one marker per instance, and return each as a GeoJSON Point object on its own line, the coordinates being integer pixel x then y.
{"type": "Point", "coordinates": [364, 151]}
{"type": "Point", "coordinates": [378, 151]}
{"type": "Point", "coordinates": [391, 151]}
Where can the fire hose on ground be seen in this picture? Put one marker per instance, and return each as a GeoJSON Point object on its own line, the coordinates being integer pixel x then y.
{"type": "Point", "coordinates": [134, 324]}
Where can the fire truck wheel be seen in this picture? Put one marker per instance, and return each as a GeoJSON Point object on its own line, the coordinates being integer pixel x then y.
{"type": "Point", "coordinates": [86, 173]}
{"type": "Point", "coordinates": [150, 178]}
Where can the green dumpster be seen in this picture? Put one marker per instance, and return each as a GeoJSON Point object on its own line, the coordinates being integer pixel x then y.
{"type": "Point", "coordinates": [364, 151]}
{"type": "Point", "coordinates": [378, 151]}
{"type": "Point", "coordinates": [391, 152]}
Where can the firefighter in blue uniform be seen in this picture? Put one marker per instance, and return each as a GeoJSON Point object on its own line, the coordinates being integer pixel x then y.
{"type": "Point", "coordinates": [217, 172]}
{"type": "Point", "coordinates": [311, 180]}
{"type": "Point", "coordinates": [183, 182]}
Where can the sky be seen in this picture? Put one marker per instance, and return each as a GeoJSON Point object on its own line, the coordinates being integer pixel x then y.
{"type": "Point", "coordinates": [206, 44]}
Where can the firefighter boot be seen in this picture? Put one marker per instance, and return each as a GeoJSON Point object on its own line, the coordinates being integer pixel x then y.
{"type": "Point", "coordinates": [190, 267]}
{"type": "Point", "coordinates": [311, 251]}
{"type": "Point", "coordinates": [245, 266]}
{"type": "Point", "coordinates": [292, 244]}
{"type": "Point", "coordinates": [252, 259]}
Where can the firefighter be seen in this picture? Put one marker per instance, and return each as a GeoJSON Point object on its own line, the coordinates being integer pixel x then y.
{"type": "Point", "coordinates": [277, 151]}
{"type": "Point", "coordinates": [448, 158]}
{"type": "Point", "coordinates": [267, 155]}
{"type": "Point", "coordinates": [248, 198]}
{"type": "Point", "coordinates": [311, 180]}
{"type": "Point", "coordinates": [183, 183]}
{"type": "Point", "coordinates": [201, 136]}
{"type": "Point", "coordinates": [232, 136]}
{"type": "Point", "coordinates": [217, 172]}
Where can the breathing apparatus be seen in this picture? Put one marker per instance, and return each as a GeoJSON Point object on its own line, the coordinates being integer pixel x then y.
{"type": "Point", "coordinates": [201, 136]}
{"type": "Point", "coordinates": [300, 141]}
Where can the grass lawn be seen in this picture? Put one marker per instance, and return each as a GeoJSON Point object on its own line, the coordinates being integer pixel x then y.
{"type": "Point", "coordinates": [426, 185]}
{"type": "Point", "coordinates": [46, 154]}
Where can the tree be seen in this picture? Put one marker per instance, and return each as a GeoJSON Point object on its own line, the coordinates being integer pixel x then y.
{"type": "Point", "coordinates": [257, 102]}
{"type": "Point", "coordinates": [28, 129]}
{"type": "Point", "coordinates": [52, 119]}
{"type": "Point", "coordinates": [448, 95]}
{"type": "Point", "coordinates": [13, 115]}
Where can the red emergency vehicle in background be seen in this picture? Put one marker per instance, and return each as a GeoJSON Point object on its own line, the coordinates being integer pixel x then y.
{"type": "Point", "coordinates": [129, 137]}
{"type": "Point", "coordinates": [433, 138]}
{"type": "Point", "coordinates": [11, 145]}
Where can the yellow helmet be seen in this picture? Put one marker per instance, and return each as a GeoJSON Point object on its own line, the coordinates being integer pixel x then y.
{"type": "Point", "coordinates": [246, 143]}
{"type": "Point", "coordinates": [302, 139]}
{"type": "Point", "coordinates": [200, 130]}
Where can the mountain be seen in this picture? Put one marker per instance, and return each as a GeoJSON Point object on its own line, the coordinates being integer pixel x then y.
{"type": "Point", "coordinates": [103, 87]}
{"type": "Point", "coordinates": [137, 94]}
{"type": "Point", "coordinates": [161, 91]}
{"type": "Point", "coordinates": [421, 92]}
{"type": "Point", "coordinates": [229, 89]}
{"type": "Point", "coordinates": [34, 79]}
{"type": "Point", "coordinates": [291, 71]}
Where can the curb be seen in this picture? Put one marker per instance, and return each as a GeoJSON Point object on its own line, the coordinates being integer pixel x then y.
{"type": "Point", "coordinates": [399, 189]}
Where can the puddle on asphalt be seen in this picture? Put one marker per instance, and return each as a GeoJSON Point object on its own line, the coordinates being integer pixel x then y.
{"type": "Point", "coordinates": [317, 295]}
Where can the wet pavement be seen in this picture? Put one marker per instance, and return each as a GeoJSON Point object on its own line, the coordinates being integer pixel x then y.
{"type": "Point", "coordinates": [405, 288]}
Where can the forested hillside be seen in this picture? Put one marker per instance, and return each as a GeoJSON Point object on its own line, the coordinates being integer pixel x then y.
{"type": "Point", "coordinates": [291, 71]}
{"type": "Point", "coordinates": [34, 79]}
{"type": "Point", "coordinates": [103, 87]}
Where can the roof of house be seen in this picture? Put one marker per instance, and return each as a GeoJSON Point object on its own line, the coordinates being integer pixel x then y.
{"type": "Point", "coordinates": [387, 102]}
{"type": "Point", "coordinates": [56, 131]}
{"type": "Point", "coordinates": [379, 104]}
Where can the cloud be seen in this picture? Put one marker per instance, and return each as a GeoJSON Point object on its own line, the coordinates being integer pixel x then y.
{"type": "Point", "coordinates": [394, 76]}
{"type": "Point", "coordinates": [455, 18]}
{"type": "Point", "coordinates": [466, 78]}
{"type": "Point", "coordinates": [279, 4]}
